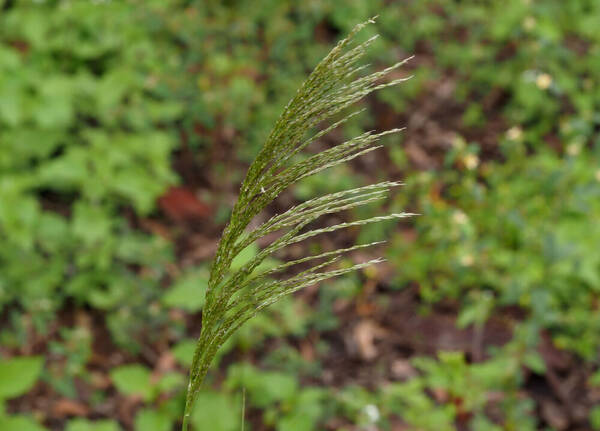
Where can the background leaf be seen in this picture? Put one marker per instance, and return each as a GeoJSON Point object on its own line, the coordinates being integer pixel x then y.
{"type": "Point", "coordinates": [133, 380]}
{"type": "Point", "coordinates": [18, 375]}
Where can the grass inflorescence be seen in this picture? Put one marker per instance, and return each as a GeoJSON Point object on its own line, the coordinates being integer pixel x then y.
{"type": "Point", "coordinates": [232, 298]}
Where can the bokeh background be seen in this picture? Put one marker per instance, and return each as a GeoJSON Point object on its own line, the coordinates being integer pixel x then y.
{"type": "Point", "coordinates": [125, 130]}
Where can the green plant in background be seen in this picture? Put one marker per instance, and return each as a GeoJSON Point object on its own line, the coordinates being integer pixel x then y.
{"type": "Point", "coordinates": [522, 237]}
{"type": "Point", "coordinates": [85, 425]}
{"type": "Point", "coordinates": [83, 120]}
{"type": "Point", "coordinates": [137, 380]}
{"type": "Point", "coordinates": [75, 352]}
{"type": "Point", "coordinates": [17, 376]}
{"type": "Point", "coordinates": [280, 397]}
{"type": "Point", "coordinates": [232, 300]}
{"type": "Point", "coordinates": [461, 394]}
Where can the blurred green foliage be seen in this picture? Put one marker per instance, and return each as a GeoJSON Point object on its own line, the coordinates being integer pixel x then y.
{"type": "Point", "coordinates": [96, 96]}
{"type": "Point", "coordinates": [18, 375]}
{"type": "Point", "coordinates": [86, 133]}
{"type": "Point", "coordinates": [519, 235]}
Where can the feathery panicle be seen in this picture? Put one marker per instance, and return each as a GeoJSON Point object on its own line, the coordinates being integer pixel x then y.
{"type": "Point", "coordinates": [233, 298]}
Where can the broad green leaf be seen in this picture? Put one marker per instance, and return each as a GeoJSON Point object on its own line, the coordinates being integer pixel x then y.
{"type": "Point", "coordinates": [18, 375]}
{"type": "Point", "coordinates": [308, 408]}
{"type": "Point", "coordinates": [133, 380]}
{"type": "Point", "coordinates": [276, 387]}
{"type": "Point", "coordinates": [152, 420]}
{"type": "Point", "coordinates": [184, 352]}
{"type": "Point", "coordinates": [215, 412]}
{"type": "Point", "coordinates": [248, 254]}
{"type": "Point", "coordinates": [86, 425]}
{"type": "Point", "coordinates": [535, 362]}
{"type": "Point", "coordinates": [170, 381]}
{"type": "Point", "coordinates": [244, 256]}
{"type": "Point", "coordinates": [187, 293]}
{"type": "Point", "coordinates": [264, 388]}
{"type": "Point", "coordinates": [91, 223]}
{"type": "Point", "coordinates": [19, 423]}
{"type": "Point", "coordinates": [297, 421]}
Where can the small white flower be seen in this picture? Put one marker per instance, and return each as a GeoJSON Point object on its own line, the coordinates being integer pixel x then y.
{"type": "Point", "coordinates": [529, 23]}
{"type": "Point", "coordinates": [467, 260]}
{"type": "Point", "coordinates": [372, 413]}
{"type": "Point", "coordinates": [543, 81]}
{"type": "Point", "coordinates": [515, 133]}
{"type": "Point", "coordinates": [471, 161]}
{"type": "Point", "coordinates": [573, 149]}
{"type": "Point", "coordinates": [460, 217]}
